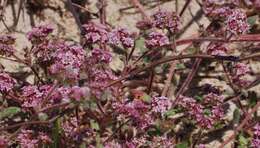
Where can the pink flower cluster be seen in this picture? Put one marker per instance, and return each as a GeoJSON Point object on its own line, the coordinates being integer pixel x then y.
{"type": "Point", "coordinates": [235, 19]}
{"type": "Point", "coordinates": [123, 36]}
{"type": "Point", "coordinates": [95, 33]}
{"type": "Point", "coordinates": [238, 74]}
{"type": "Point", "coordinates": [167, 20]}
{"type": "Point", "coordinates": [6, 42]}
{"type": "Point", "coordinates": [68, 62]}
{"type": "Point", "coordinates": [201, 113]}
{"type": "Point", "coordinates": [30, 139]}
{"type": "Point", "coordinates": [39, 33]}
{"type": "Point", "coordinates": [161, 104]}
{"type": "Point", "coordinates": [6, 82]}
{"type": "Point", "coordinates": [237, 22]}
{"type": "Point", "coordinates": [256, 139]}
{"type": "Point", "coordinates": [33, 96]}
{"type": "Point", "coordinates": [217, 49]}
{"type": "Point", "coordinates": [137, 111]}
{"type": "Point", "coordinates": [156, 39]}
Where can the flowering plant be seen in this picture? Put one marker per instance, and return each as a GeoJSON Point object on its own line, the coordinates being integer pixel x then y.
{"type": "Point", "coordinates": [157, 99]}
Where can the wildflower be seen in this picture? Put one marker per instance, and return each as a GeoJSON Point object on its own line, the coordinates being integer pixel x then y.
{"type": "Point", "coordinates": [6, 42]}
{"type": "Point", "coordinates": [257, 130]}
{"type": "Point", "coordinates": [217, 49]}
{"type": "Point", "coordinates": [33, 95]}
{"type": "Point", "coordinates": [7, 39]}
{"type": "Point", "coordinates": [3, 142]}
{"type": "Point", "coordinates": [238, 75]}
{"type": "Point", "coordinates": [68, 61]}
{"type": "Point", "coordinates": [156, 39]}
{"type": "Point", "coordinates": [123, 36]}
{"type": "Point", "coordinates": [95, 33]}
{"type": "Point", "coordinates": [161, 104]}
{"type": "Point", "coordinates": [167, 20]}
{"type": "Point", "coordinates": [237, 22]}
{"type": "Point", "coordinates": [39, 33]}
{"type": "Point", "coordinates": [256, 138]}
{"type": "Point", "coordinates": [27, 139]}
{"type": "Point", "coordinates": [100, 55]}
{"type": "Point", "coordinates": [6, 82]}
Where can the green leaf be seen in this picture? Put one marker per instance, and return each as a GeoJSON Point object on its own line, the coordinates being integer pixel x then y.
{"type": "Point", "coordinates": [199, 98]}
{"type": "Point", "coordinates": [243, 142]}
{"type": "Point", "coordinates": [252, 20]}
{"type": "Point", "coordinates": [94, 125]}
{"type": "Point", "coordinates": [170, 112]}
{"type": "Point", "coordinates": [56, 134]}
{"type": "Point", "coordinates": [182, 145]}
{"type": "Point", "coordinates": [139, 44]}
{"type": "Point", "coordinates": [180, 66]}
{"type": "Point", "coordinates": [9, 112]}
{"type": "Point", "coordinates": [236, 116]}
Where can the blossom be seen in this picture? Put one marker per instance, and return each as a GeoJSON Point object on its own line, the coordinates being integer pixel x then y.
{"type": "Point", "coordinates": [167, 20]}
{"type": "Point", "coordinates": [237, 22]}
{"type": "Point", "coordinates": [161, 104]}
{"type": "Point", "coordinates": [3, 142]}
{"type": "Point", "coordinates": [7, 39]}
{"type": "Point", "coordinates": [238, 75]}
{"type": "Point", "coordinates": [136, 110]}
{"type": "Point", "coordinates": [78, 93]}
{"type": "Point", "coordinates": [33, 95]}
{"type": "Point", "coordinates": [6, 50]}
{"type": "Point", "coordinates": [255, 142]}
{"type": "Point", "coordinates": [213, 98]}
{"type": "Point", "coordinates": [257, 130]}
{"type": "Point", "coordinates": [39, 33]}
{"type": "Point", "coordinates": [27, 140]}
{"type": "Point", "coordinates": [100, 55]}
{"type": "Point", "coordinates": [121, 35]}
{"type": "Point", "coordinates": [6, 82]}
{"type": "Point", "coordinates": [68, 62]}
{"type": "Point", "coordinates": [217, 49]}
{"type": "Point", "coordinates": [95, 33]}
{"type": "Point", "coordinates": [156, 39]}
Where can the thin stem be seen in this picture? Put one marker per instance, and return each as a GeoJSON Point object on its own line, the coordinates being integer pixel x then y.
{"type": "Point", "coordinates": [247, 118]}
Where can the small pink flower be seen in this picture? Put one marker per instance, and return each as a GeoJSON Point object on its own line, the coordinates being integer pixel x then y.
{"type": "Point", "coordinates": [167, 20]}
{"type": "Point", "coordinates": [6, 50]}
{"type": "Point", "coordinates": [6, 82]}
{"type": "Point", "coordinates": [7, 39]}
{"type": "Point", "coordinates": [39, 33]}
{"type": "Point", "coordinates": [217, 49]}
{"type": "Point", "coordinates": [101, 55]}
{"type": "Point", "coordinates": [257, 130]}
{"type": "Point", "coordinates": [95, 33]}
{"type": "Point", "coordinates": [237, 22]}
{"type": "Point", "coordinates": [27, 140]}
{"type": "Point", "coordinates": [161, 104]}
{"type": "Point", "coordinates": [68, 62]}
{"type": "Point", "coordinates": [156, 39]}
{"type": "Point", "coordinates": [123, 36]}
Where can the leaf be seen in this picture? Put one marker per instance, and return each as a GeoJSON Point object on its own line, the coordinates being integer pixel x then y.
{"type": "Point", "coordinates": [138, 94]}
{"type": "Point", "coordinates": [199, 98]}
{"type": "Point", "coordinates": [9, 112]}
{"type": "Point", "coordinates": [170, 112]}
{"type": "Point", "coordinates": [139, 44]}
{"type": "Point", "coordinates": [56, 133]}
{"type": "Point", "coordinates": [182, 145]}
{"type": "Point", "coordinates": [180, 66]}
{"type": "Point", "coordinates": [236, 116]}
{"type": "Point", "coordinates": [94, 125]}
{"type": "Point", "coordinates": [252, 20]}
{"type": "Point", "coordinates": [243, 142]}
